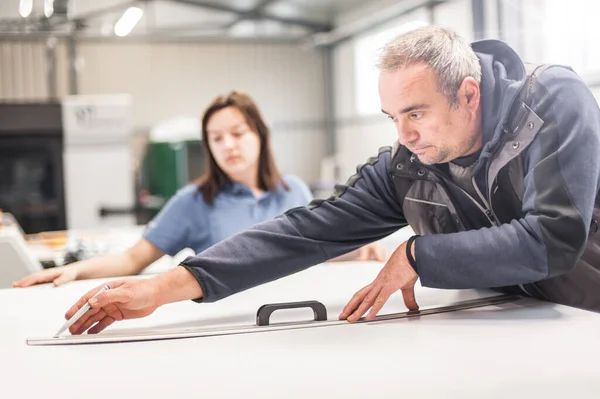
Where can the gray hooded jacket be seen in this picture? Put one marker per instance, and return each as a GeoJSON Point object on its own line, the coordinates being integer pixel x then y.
{"type": "Point", "coordinates": [532, 227]}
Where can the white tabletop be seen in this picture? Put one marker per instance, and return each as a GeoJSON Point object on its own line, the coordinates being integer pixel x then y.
{"type": "Point", "coordinates": [525, 349]}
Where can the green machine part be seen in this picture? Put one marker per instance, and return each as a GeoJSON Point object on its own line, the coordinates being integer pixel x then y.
{"type": "Point", "coordinates": [170, 166]}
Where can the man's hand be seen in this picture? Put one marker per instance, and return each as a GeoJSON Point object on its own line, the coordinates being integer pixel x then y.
{"type": "Point", "coordinates": [126, 299]}
{"type": "Point", "coordinates": [397, 274]}
{"type": "Point", "coordinates": [132, 299]}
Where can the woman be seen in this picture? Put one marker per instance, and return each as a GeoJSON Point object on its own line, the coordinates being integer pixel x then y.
{"type": "Point", "coordinates": [241, 187]}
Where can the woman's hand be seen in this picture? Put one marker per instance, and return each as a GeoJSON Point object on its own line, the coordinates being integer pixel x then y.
{"type": "Point", "coordinates": [57, 275]}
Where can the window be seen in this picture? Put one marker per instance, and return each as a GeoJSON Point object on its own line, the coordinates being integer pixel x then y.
{"type": "Point", "coordinates": [564, 33]}
{"type": "Point", "coordinates": [366, 52]}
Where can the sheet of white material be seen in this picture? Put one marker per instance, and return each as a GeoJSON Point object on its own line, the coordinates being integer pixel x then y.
{"type": "Point", "coordinates": [531, 348]}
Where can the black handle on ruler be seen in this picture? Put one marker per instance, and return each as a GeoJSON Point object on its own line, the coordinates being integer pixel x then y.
{"type": "Point", "coordinates": [264, 312]}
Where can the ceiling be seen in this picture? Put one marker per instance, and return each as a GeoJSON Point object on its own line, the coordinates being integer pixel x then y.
{"type": "Point", "coordinates": [233, 19]}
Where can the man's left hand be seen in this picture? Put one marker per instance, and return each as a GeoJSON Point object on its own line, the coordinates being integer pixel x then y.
{"type": "Point", "coordinates": [397, 274]}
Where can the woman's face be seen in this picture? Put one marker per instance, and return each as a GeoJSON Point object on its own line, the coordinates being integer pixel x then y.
{"type": "Point", "coordinates": [233, 144]}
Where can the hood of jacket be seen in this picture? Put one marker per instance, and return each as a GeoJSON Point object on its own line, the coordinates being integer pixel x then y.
{"type": "Point", "coordinates": [502, 76]}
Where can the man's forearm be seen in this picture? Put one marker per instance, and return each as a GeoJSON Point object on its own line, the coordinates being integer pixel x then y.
{"type": "Point", "coordinates": [498, 256]}
{"type": "Point", "coordinates": [363, 211]}
{"type": "Point", "coordinates": [177, 285]}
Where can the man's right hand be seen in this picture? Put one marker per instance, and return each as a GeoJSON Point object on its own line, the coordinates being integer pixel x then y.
{"type": "Point", "coordinates": [57, 275]}
{"type": "Point", "coordinates": [126, 299]}
{"type": "Point", "coordinates": [132, 299]}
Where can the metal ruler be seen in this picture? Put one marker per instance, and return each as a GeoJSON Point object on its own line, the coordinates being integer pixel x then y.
{"type": "Point", "coordinates": [263, 324]}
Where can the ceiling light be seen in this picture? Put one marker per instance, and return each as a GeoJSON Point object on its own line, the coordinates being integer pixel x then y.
{"type": "Point", "coordinates": [243, 28]}
{"type": "Point", "coordinates": [48, 8]}
{"type": "Point", "coordinates": [128, 20]}
{"type": "Point", "coordinates": [25, 8]}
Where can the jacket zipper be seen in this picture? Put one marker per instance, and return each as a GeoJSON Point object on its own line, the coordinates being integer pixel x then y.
{"type": "Point", "coordinates": [489, 212]}
{"type": "Point", "coordinates": [486, 209]}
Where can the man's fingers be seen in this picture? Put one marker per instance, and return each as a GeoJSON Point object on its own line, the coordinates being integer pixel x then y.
{"type": "Point", "coordinates": [88, 295]}
{"type": "Point", "coordinates": [114, 312]}
{"type": "Point", "coordinates": [105, 322]}
{"type": "Point", "coordinates": [367, 302]}
{"type": "Point", "coordinates": [90, 319]}
{"type": "Point", "coordinates": [82, 301]}
{"type": "Point", "coordinates": [354, 302]}
{"type": "Point", "coordinates": [94, 316]}
{"type": "Point", "coordinates": [409, 298]}
{"type": "Point", "coordinates": [381, 299]}
{"type": "Point", "coordinates": [91, 313]}
{"type": "Point", "coordinates": [117, 295]}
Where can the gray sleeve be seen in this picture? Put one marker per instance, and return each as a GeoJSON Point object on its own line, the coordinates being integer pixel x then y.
{"type": "Point", "coordinates": [561, 183]}
{"type": "Point", "coordinates": [362, 211]}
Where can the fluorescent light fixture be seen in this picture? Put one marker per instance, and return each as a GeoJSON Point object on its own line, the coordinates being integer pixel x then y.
{"type": "Point", "coordinates": [128, 20]}
{"type": "Point", "coordinates": [25, 8]}
{"type": "Point", "coordinates": [243, 28]}
{"type": "Point", "coordinates": [48, 8]}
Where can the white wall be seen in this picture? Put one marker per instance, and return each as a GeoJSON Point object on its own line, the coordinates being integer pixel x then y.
{"type": "Point", "coordinates": [167, 79]}
{"type": "Point", "coordinates": [171, 79]}
{"type": "Point", "coordinates": [23, 69]}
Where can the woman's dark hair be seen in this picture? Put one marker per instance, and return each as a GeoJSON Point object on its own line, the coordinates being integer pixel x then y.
{"type": "Point", "coordinates": [211, 182]}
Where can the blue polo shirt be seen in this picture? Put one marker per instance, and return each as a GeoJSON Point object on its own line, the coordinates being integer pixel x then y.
{"type": "Point", "coordinates": [187, 221]}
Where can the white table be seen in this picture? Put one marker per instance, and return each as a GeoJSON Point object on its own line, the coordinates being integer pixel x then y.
{"type": "Point", "coordinates": [525, 349]}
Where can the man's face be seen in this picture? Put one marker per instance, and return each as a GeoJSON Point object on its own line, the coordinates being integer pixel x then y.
{"type": "Point", "coordinates": [427, 124]}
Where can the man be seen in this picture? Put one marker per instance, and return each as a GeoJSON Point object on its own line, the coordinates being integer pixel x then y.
{"type": "Point", "coordinates": [496, 168]}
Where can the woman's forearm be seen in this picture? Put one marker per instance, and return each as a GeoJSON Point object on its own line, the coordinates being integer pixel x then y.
{"type": "Point", "coordinates": [112, 265]}
{"type": "Point", "coordinates": [127, 263]}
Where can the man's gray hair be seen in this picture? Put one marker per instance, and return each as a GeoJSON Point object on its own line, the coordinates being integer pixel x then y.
{"type": "Point", "coordinates": [450, 57]}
